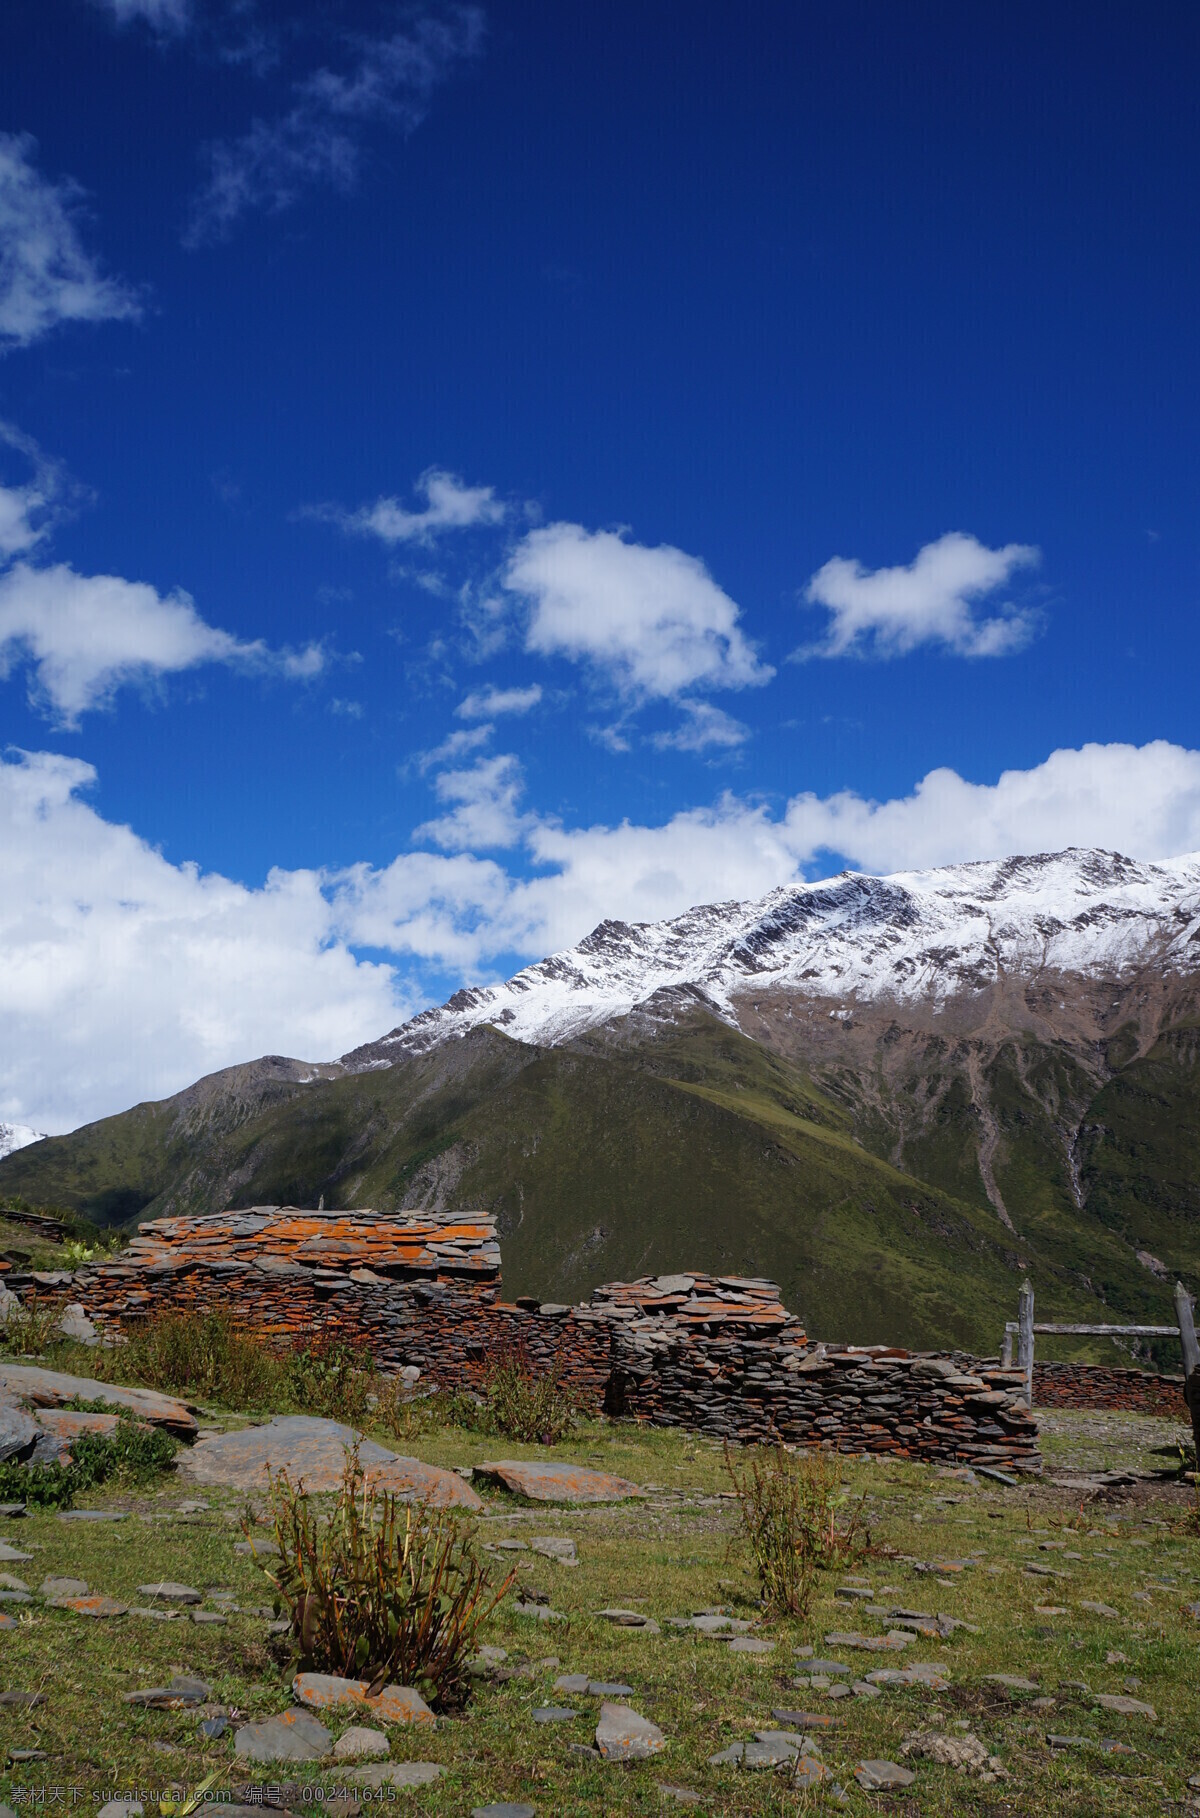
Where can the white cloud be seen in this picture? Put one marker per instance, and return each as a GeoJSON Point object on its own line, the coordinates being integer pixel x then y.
{"type": "Point", "coordinates": [163, 15]}
{"type": "Point", "coordinates": [85, 636]}
{"type": "Point", "coordinates": [46, 276]}
{"type": "Point", "coordinates": [28, 510]}
{"type": "Point", "coordinates": [888, 612]}
{"type": "Point", "coordinates": [457, 745]}
{"type": "Point", "coordinates": [653, 622]}
{"type": "Point", "coordinates": [126, 977]}
{"type": "Point", "coordinates": [705, 728]}
{"type": "Point", "coordinates": [487, 703]}
{"type": "Point", "coordinates": [449, 505]}
{"type": "Point", "coordinates": [318, 141]}
{"type": "Point", "coordinates": [483, 806]}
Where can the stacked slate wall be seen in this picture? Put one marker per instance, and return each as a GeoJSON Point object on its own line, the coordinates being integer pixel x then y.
{"type": "Point", "coordinates": [1076, 1385]}
{"type": "Point", "coordinates": [720, 1355]}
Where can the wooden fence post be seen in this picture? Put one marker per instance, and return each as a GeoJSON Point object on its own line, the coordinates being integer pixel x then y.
{"type": "Point", "coordinates": [1191, 1361]}
{"type": "Point", "coordinates": [1006, 1351]}
{"type": "Point", "coordinates": [1025, 1340]}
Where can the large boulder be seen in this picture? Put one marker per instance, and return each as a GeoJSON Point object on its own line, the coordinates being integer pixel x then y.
{"type": "Point", "coordinates": [39, 1388]}
{"type": "Point", "coordinates": [313, 1453]}
{"type": "Point", "coordinates": [557, 1482]}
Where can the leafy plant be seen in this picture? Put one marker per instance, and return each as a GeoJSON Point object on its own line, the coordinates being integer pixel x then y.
{"type": "Point", "coordinates": [516, 1401]}
{"type": "Point", "coordinates": [29, 1329]}
{"type": "Point", "coordinates": [380, 1589]}
{"type": "Point", "coordinates": [789, 1506]}
{"type": "Point", "coordinates": [328, 1374]}
{"type": "Point", "coordinates": [132, 1453]}
{"type": "Point", "coordinates": [209, 1355]}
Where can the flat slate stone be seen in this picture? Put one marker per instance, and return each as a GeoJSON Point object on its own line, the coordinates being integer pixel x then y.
{"type": "Point", "coordinates": [21, 1701]}
{"type": "Point", "coordinates": [603, 1688]}
{"type": "Point", "coordinates": [1125, 1707]}
{"type": "Point", "coordinates": [94, 1515]}
{"type": "Point", "coordinates": [746, 1644]}
{"type": "Point", "coordinates": [90, 1606]}
{"type": "Point", "coordinates": [1099, 1609]}
{"type": "Point", "coordinates": [394, 1704]}
{"type": "Point", "coordinates": [551, 1546]}
{"type": "Point", "coordinates": [1013, 1682]}
{"type": "Point", "coordinates": [63, 1587]}
{"type": "Point", "coordinates": [358, 1744]}
{"type": "Point", "coordinates": [557, 1482]}
{"type": "Point", "coordinates": [257, 1549]}
{"type": "Point", "coordinates": [51, 1388]}
{"type": "Point", "coordinates": [170, 1592]}
{"type": "Point", "coordinates": [313, 1452]}
{"type": "Point", "coordinates": [19, 1431]}
{"type": "Point", "coordinates": [504, 1810]}
{"type": "Point", "coordinates": [292, 1736]}
{"type": "Point", "coordinates": [12, 1555]}
{"type": "Point", "coordinates": [882, 1776]}
{"type": "Point", "coordinates": [179, 1694]}
{"type": "Point", "coordinates": [553, 1713]}
{"type": "Point", "coordinates": [807, 1720]}
{"type": "Point", "coordinates": [379, 1774]}
{"type": "Point", "coordinates": [623, 1735]}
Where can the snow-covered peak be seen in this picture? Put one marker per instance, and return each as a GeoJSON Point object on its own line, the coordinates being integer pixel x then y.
{"type": "Point", "coordinates": [855, 938]}
{"type": "Point", "coordinates": [17, 1136]}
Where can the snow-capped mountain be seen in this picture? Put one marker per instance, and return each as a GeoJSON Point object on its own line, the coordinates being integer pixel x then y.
{"type": "Point", "coordinates": [853, 939]}
{"type": "Point", "coordinates": [17, 1136]}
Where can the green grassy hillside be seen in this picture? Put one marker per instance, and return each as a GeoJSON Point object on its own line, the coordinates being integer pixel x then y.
{"type": "Point", "coordinates": [631, 1153]}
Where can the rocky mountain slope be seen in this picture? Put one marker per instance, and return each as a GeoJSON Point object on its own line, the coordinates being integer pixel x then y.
{"type": "Point", "coordinates": [892, 1095]}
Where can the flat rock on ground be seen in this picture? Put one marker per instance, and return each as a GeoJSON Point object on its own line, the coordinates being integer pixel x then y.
{"type": "Point", "coordinates": [51, 1388]}
{"type": "Point", "coordinates": [623, 1735]}
{"type": "Point", "coordinates": [357, 1744]}
{"type": "Point", "coordinates": [557, 1482]}
{"type": "Point", "coordinates": [379, 1774]}
{"type": "Point", "coordinates": [882, 1776]}
{"type": "Point", "coordinates": [394, 1704]}
{"type": "Point", "coordinates": [178, 1695]}
{"type": "Point", "coordinates": [313, 1452]}
{"type": "Point", "coordinates": [292, 1736]}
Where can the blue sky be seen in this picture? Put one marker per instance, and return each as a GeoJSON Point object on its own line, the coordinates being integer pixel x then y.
{"type": "Point", "coordinates": [471, 471]}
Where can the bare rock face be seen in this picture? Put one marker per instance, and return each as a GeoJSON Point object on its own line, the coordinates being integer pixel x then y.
{"type": "Point", "coordinates": [313, 1452]}
{"type": "Point", "coordinates": [558, 1482]}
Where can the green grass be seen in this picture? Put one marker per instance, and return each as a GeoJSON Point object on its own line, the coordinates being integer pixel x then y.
{"type": "Point", "coordinates": [674, 1553]}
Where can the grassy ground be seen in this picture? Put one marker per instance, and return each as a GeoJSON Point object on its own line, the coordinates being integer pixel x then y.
{"type": "Point", "coordinates": [674, 1553]}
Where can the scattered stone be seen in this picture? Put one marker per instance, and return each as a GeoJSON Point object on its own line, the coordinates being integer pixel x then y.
{"type": "Point", "coordinates": [631, 1619]}
{"type": "Point", "coordinates": [1125, 1707]}
{"type": "Point", "coordinates": [504, 1810]}
{"type": "Point", "coordinates": [891, 1643]}
{"type": "Point", "coordinates": [90, 1606]}
{"type": "Point", "coordinates": [52, 1388]}
{"type": "Point", "coordinates": [682, 1795]}
{"type": "Point", "coordinates": [882, 1776]}
{"type": "Point", "coordinates": [181, 1692]}
{"type": "Point", "coordinates": [622, 1735]}
{"type": "Point", "coordinates": [257, 1549]}
{"type": "Point", "coordinates": [1100, 1609]}
{"type": "Point", "coordinates": [540, 1612]}
{"type": "Point", "coordinates": [293, 1736]}
{"type": "Point", "coordinates": [394, 1704]}
{"type": "Point", "coordinates": [553, 1713]}
{"type": "Point", "coordinates": [934, 1678]}
{"type": "Point", "coordinates": [63, 1587]}
{"type": "Point", "coordinates": [10, 1583]}
{"type": "Point", "coordinates": [13, 1555]}
{"type": "Point", "coordinates": [213, 1728]}
{"type": "Point", "coordinates": [155, 1615]}
{"type": "Point", "coordinates": [169, 1592]}
{"type": "Point", "coordinates": [213, 1618]}
{"type": "Point", "coordinates": [93, 1515]}
{"type": "Point", "coordinates": [1013, 1682]}
{"type": "Point", "coordinates": [563, 1551]}
{"type": "Point", "coordinates": [965, 1753]}
{"type": "Point", "coordinates": [746, 1644]}
{"type": "Point", "coordinates": [1067, 1742]}
{"type": "Point", "coordinates": [357, 1743]}
{"type": "Point", "coordinates": [807, 1720]}
{"type": "Point", "coordinates": [21, 1701]}
{"type": "Point", "coordinates": [557, 1482]}
{"type": "Point", "coordinates": [396, 1773]}
{"type": "Point", "coordinates": [606, 1688]}
{"type": "Point", "coordinates": [573, 1683]}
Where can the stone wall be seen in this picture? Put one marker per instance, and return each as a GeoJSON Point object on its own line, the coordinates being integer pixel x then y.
{"type": "Point", "coordinates": [1072, 1385]}
{"type": "Point", "coordinates": [720, 1355]}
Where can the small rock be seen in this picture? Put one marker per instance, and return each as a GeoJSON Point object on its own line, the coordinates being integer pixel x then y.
{"type": "Point", "coordinates": [180, 1693]}
{"type": "Point", "coordinates": [622, 1735]}
{"type": "Point", "coordinates": [574, 1683]}
{"type": "Point", "coordinates": [1066, 1742]}
{"type": "Point", "coordinates": [213, 1728]}
{"type": "Point", "coordinates": [1099, 1609]}
{"type": "Point", "coordinates": [93, 1515]}
{"type": "Point", "coordinates": [747, 1644]}
{"type": "Point", "coordinates": [358, 1743]}
{"type": "Point", "coordinates": [882, 1776]}
{"type": "Point", "coordinates": [540, 1612]}
{"type": "Point", "coordinates": [504, 1810]}
{"type": "Point", "coordinates": [63, 1587]}
{"type": "Point", "coordinates": [13, 1555]}
{"type": "Point", "coordinates": [1012, 1682]}
{"type": "Point", "coordinates": [21, 1701]}
{"type": "Point", "coordinates": [682, 1795]}
{"type": "Point", "coordinates": [1125, 1707]}
{"type": "Point", "coordinates": [607, 1688]}
{"type": "Point", "coordinates": [257, 1549]}
{"type": "Point", "coordinates": [394, 1704]}
{"type": "Point", "coordinates": [396, 1773]}
{"type": "Point", "coordinates": [552, 1546]}
{"type": "Point", "coordinates": [213, 1618]}
{"type": "Point", "coordinates": [90, 1606]}
{"type": "Point", "coordinates": [293, 1736]}
{"type": "Point", "coordinates": [553, 1713]}
{"type": "Point", "coordinates": [167, 1591]}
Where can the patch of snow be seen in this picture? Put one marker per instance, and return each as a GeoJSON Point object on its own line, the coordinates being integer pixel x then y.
{"type": "Point", "coordinates": [18, 1136]}
{"type": "Point", "coordinates": [927, 935]}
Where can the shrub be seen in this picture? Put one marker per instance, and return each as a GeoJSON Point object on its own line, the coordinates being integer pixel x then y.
{"type": "Point", "coordinates": [381, 1589]}
{"type": "Point", "coordinates": [327, 1374]}
{"type": "Point", "coordinates": [516, 1401]}
{"type": "Point", "coordinates": [789, 1504]}
{"type": "Point", "coordinates": [132, 1453]}
{"type": "Point", "coordinates": [209, 1355]}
